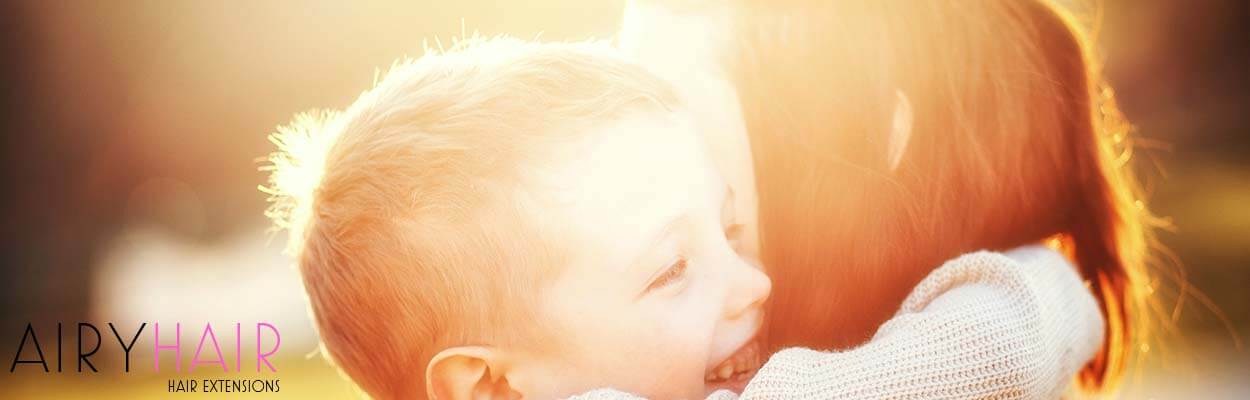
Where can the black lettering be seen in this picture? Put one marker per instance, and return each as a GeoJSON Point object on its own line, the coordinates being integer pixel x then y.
{"type": "Point", "coordinates": [83, 357]}
{"type": "Point", "coordinates": [126, 348]}
{"type": "Point", "coordinates": [58, 347]}
{"type": "Point", "coordinates": [17, 358]}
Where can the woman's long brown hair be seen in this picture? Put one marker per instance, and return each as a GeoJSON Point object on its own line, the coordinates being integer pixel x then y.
{"type": "Point", "coordinates": [1016, 140]}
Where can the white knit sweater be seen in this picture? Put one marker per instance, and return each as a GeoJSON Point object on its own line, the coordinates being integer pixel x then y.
{"type": "Point", "coordinates": [1015, 325]}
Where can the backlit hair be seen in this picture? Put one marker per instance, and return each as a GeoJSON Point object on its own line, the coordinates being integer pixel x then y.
{"type": "Point", "coordinates": [400, 209]}
{"type": "Point", "coordinates": [1016, 140]}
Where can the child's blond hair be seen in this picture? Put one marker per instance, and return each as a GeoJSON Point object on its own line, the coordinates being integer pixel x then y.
{"type": "Point", "coordinates": [400, 209]}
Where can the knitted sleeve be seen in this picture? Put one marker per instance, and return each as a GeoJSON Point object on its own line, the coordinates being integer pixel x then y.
{"type": "Point", "coordinates": [985, 325]}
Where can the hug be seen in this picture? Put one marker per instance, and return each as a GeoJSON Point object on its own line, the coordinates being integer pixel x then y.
{"type": "Point", "coordinates": [742, 199]}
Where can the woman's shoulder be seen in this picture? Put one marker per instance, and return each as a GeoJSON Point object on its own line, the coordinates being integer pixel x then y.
{"type": "Point", "coordinates": [1015, 266]}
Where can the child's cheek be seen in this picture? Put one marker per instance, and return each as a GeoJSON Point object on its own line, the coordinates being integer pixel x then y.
{"type": "Point", "coordinates": [691, 318]}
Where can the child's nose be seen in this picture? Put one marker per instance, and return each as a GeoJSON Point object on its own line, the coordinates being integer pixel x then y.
{"type": "Point", "coordinates": [749, 287]}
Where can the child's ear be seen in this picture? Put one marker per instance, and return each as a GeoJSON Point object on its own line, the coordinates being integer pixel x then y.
{"type": "Point", "coordinates": [468, 372]}
{"type": "Point", "coordinates": [900, 130]}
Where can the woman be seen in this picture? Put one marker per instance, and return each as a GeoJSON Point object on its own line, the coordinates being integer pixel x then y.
{"type": "Point", "coordinates": [1015, 140]}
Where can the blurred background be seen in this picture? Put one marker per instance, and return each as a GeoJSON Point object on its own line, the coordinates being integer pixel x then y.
{"type": "Point", "coordinates": [132, 133]}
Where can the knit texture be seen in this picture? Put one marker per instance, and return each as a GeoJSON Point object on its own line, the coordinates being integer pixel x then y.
{"type": "Point", "coordinates": [1015, 325]}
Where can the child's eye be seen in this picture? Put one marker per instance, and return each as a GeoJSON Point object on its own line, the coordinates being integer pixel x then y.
{"type": "Point", "coordinates": [671, 275]}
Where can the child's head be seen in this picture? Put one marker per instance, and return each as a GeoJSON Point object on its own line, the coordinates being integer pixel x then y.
{"type": "Point", "coordinates": [514, 218]}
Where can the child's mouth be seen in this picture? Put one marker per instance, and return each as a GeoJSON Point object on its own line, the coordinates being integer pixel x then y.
{"type": "Point", "coordinates": [736, 371]}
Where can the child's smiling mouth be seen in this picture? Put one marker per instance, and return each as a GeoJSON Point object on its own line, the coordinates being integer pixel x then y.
{"type": "Point", "coordinates": [736, 370]}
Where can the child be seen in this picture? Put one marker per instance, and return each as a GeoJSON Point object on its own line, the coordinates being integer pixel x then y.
{"type": "Point", "coordinates": [513, 220]}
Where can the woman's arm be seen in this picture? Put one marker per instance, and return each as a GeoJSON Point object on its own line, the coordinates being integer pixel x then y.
{"type": "Point", "coordinates": [985, 325]}
{"type": "Point", "coordinates": [1013, 325]}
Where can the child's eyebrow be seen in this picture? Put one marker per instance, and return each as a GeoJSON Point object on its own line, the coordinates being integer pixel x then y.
{"type": "Point", "coordinates": [656, 240]}
{"type": "Point", "coordinates": [664, 231]}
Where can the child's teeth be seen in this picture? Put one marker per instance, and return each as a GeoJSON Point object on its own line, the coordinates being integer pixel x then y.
{"type": "Point", "coordinates": [737, 365]}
